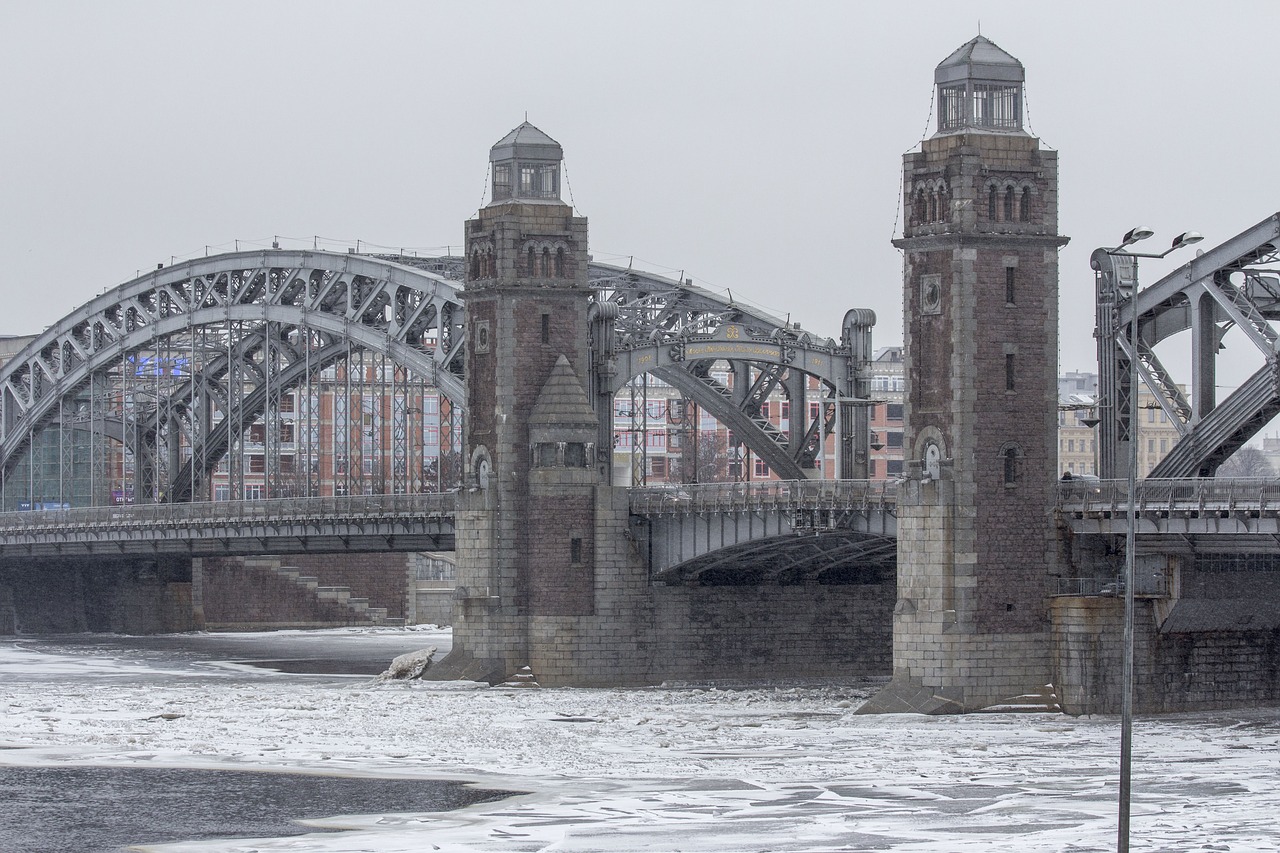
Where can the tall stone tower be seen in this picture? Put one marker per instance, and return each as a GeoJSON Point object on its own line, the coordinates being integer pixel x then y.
{"type": "Point", "coordinates": [977, 542]}
{"type": "Point", "coordinates": [526, 524]}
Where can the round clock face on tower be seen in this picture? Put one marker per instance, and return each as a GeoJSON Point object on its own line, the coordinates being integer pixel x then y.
{"type": "Point", "coordinates": [930, 294]}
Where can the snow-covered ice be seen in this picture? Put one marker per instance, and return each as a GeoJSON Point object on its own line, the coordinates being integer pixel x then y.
{"type": "Point", "coordinates": [663, 769]}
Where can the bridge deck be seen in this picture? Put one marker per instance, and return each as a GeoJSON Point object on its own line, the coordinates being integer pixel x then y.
{"type": "Point", "coordinates": [420, 522]}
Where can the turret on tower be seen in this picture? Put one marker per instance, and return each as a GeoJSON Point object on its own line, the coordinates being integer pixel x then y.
{"type": "Point", "coordinates": [530, 431]}
{"type": "Point", "coordinates": [976, 540]}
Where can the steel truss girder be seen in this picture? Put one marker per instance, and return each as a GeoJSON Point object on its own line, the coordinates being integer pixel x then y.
{"type": "Point", "coordinates": [411, 316]}
{"type": "Point", "coordinates": [1202, 296]}
{"type": "Point", "coordinates": [407, 309]}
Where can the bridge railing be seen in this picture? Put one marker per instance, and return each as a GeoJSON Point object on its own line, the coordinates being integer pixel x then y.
{"type": "Point", "coordinates": [222, 513]}
{"type": "Point", "coordinates": [764, 495]}
{"type": "Point", "coordinates": [1155, 585]}
{"type": "Point", "coordinates": [1172, 495]}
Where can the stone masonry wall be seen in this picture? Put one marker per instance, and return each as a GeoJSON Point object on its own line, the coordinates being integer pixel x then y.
{"type": "Point", "coordinates": [644, 634]}
{"type": "Point", "coordinates": [233, 594]}
{"type": "Point", "coordinates": [1204, 670]}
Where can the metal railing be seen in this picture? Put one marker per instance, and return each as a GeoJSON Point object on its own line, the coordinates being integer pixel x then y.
{"type": "Point", "coordinates": [765, 495]}
{"type": "Point", "coordinates": [1155, 585]}
{"type": "Point", "coordinates": [230, 513]}
{"type": "Point", "coordinates": [1172, 495]}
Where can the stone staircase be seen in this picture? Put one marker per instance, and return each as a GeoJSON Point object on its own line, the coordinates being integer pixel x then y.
{"type": "Point", "coordinates": [359, 607]}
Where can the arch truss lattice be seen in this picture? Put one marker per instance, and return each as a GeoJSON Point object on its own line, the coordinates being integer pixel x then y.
{"type": "Point", "coordinates": [310, 366]}
{"type": "Point", "coordinates": [1234, 285]}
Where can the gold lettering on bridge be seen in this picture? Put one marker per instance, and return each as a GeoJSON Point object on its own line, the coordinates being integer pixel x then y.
{"type": "Point", "coordinates": [744, 350]}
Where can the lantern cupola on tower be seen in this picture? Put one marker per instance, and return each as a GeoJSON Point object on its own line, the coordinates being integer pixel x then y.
{"type": "Point", "coordinates": [526, 167]}
{"type": "Point", "coordinates": [979, 89]}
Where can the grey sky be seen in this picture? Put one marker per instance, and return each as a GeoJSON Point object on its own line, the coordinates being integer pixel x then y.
{"type": "Point", "coordinates": [755, 145]}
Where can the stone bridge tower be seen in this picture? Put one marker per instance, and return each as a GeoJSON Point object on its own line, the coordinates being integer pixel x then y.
{"type": "Point", "coordinates": [977, 541]}
{"type": "Point", "coordinates": [526, 522]}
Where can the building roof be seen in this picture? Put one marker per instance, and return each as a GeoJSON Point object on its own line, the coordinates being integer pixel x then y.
{"type": "Point", "coordinates": [526, 142]}
{"type": "Point", "coordinates": [979, 59]}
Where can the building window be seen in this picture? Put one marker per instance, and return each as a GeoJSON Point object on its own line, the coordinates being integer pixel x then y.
{"type": "Point", "coordinates": [658, 466]}
{"type": "Point", "coordinates": [575, 455]}
{"type": "Point", "coordinates": [1010, 455]}
{"type": "Point", "coordinates": [560, 266]}
{"type": "Point", "coordinates": [991, 204]}
{"type": "Point", "coordinates": [762, 470]}
{"type": "Point", "coordinates": [1008, 285]}
{"type": "Point", "coordinates": [502, 180]}
{"type": "Point", "coordinates": [1024, 209]}
{"type": "Point", "coordinates": [893, 467]}
{"type": "Point", "coordinates": [546, 328]}
{"type": "Point", "coordinates": [544, 455]}
{"type": "Point", "coordinates": [257, 464]}
{"type": "Point", "coordinates": [1008, 372]}
{"type": "Point", "coordinates": [1008, 204]}
{"type": "Point", "coordinates": [893, 411]}
{"type": "Point", "coordinates": [575, 551]}
{"type": "Point", "coordinates": [893, 439]}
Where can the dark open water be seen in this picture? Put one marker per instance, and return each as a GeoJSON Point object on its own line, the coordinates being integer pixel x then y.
{"type": "Point", "coordinates": [78, 809]}
{"type": "Point", "coordinates": [97, 809]}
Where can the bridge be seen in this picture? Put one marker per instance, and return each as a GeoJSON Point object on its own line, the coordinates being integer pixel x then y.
{"type": "Point", "coordinates": [364, 523]}
{"type": "Point", "coordinates": [292, 401]}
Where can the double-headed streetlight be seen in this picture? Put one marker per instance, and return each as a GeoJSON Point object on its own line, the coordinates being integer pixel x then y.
{"type": "Point", "coordinates": [1126, 708]}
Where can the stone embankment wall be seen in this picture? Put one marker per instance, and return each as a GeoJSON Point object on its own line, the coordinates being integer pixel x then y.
{"type": "Point", "coordinates": [1217, 645]}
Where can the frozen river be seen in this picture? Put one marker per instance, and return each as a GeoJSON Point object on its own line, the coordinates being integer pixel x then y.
{"type": "Point", "coordinates": [680, 768]}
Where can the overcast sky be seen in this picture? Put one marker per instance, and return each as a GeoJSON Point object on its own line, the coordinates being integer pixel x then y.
{"type": "Point", "coordinates": [754, 145]}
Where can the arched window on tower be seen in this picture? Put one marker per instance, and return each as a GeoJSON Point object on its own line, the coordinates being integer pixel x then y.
{"type": "Point", "coordinates": [991, 204]}
{"type": "Point", "coordinates": [1024, 209]}
{"type": "Point", "coordinates": [560, 273]}
{"type": "Point", "coordinates": [1009, 456]}
{"type": "Point", "coordinates": [920, 207]}
{"type": "Point", "coordinates": [545, 270]}
{"type": "Point", "coordinates": [531, 263]}
{"type": "Point", "coordinates": [475, 264]}
{"type": "Point", "coordinates": [1008, 204]}
{"type": "Point", "coordinates": [933, 207]}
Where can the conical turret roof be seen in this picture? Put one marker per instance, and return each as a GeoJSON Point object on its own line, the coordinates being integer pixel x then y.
{"type": "Point", "coordinates": [528, 143]}
{"type": "Point", "coordinates": [562, 401]}
{"type": "Point", "coordinates": [979, 59]}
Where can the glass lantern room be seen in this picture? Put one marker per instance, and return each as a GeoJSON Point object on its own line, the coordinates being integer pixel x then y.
{"type": "Point", "coordinates": [979, 88]}
{"type": "Point", "coordinates": [526, 166]}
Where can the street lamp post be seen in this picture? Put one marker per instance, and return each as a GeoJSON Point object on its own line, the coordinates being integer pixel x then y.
{"type": "Point", "coordinates": [1126, 707]}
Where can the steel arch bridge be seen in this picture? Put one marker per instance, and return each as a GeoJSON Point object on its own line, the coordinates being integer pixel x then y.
{"type": "Point", "coordinates": [1228, 286]}
{"type": "Point", "coordinates": [216, 361]}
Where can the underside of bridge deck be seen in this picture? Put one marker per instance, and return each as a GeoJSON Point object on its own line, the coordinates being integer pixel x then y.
{"type": "Point", "coordinates": [821, 557]}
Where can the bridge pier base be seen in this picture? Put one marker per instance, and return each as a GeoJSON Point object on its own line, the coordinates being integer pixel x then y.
{"type": "Point", "coordinates": [638, 632]}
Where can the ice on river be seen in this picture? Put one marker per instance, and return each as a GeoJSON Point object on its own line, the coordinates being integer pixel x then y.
{"type": "Point", "coordinates": [663, 769]}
